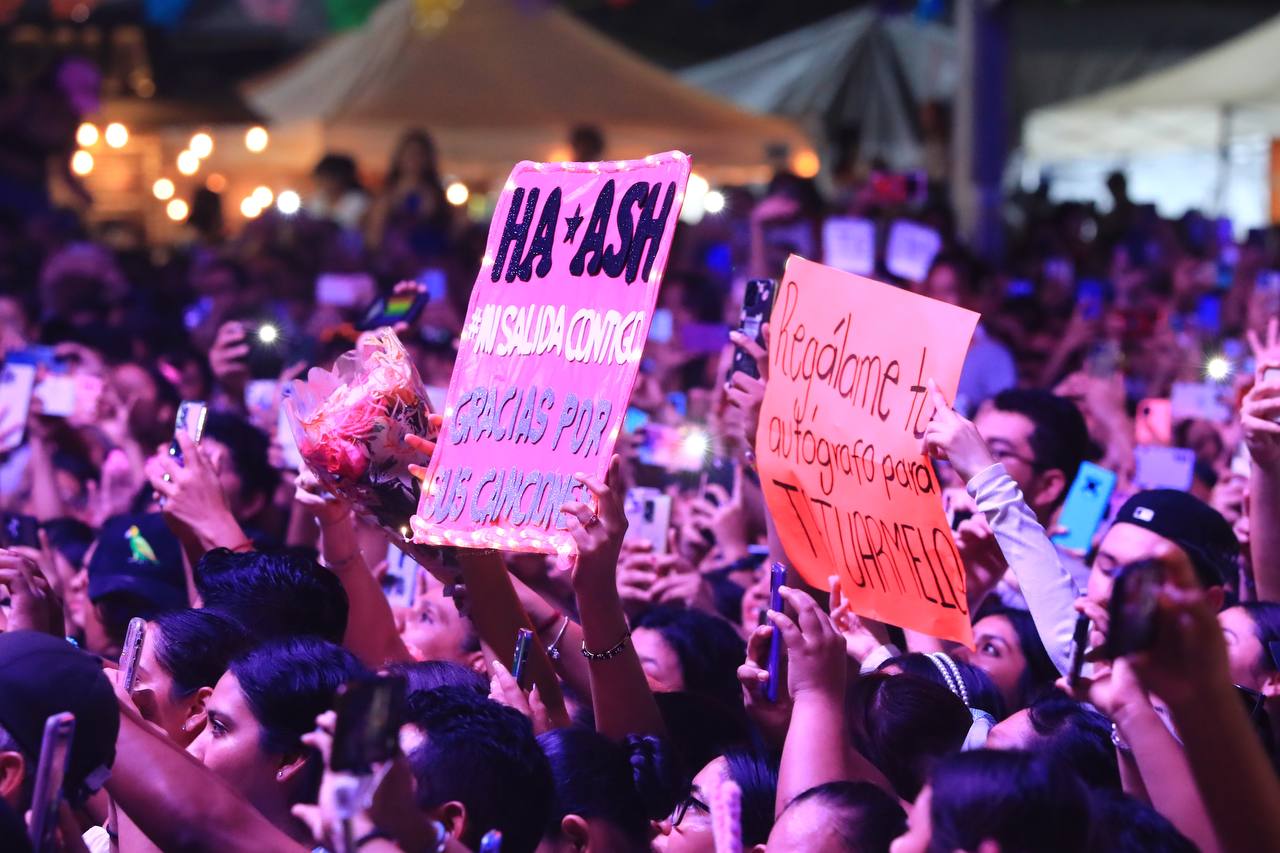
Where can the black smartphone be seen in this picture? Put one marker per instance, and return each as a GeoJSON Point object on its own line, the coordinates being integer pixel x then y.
{"type": "Point", "coordinates": [1132, 610]}
{"type": "Point", "coordinates": [18, 530]}
{"type": "Point", "coordinates": [190, 419]}
{"type": "Point", "coordinates": [268, 349]}
{"type": "Point", "coordinates": [777, 578]}
{"type": "Point", "coordinates": [370, 712]}
{"type": "Point", "coordinates": [757, 305]}
{"type": "Point", "coordinates": [397, 308]}
{"type": "Point", "coordinates": [1079, 645]}
{"type": "Point", "coordinates": [523, 640]}
{"type": "Point", "coordinates": [46, 797]}
{"type": "Point", "coordinates": [960, 516]}
{"type": "Point", "coordinates": [723, 473]}
{"type": "Point", "coordinates": [132, 650]}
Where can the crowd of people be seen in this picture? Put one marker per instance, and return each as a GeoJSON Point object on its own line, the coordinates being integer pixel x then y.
{"type": "Point", "coordinates": [650, 715]}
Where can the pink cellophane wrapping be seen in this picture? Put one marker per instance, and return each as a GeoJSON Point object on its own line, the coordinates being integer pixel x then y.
{"type": "Point", "coordinates": [350, 424]}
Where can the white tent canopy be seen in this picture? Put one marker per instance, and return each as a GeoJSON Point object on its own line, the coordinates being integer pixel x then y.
{"type": "Point", "coordinates": [502, 82]}
{"type": "Point", "coordinates": [859, 68]}
{"type": "Point", "coordinates": [1194, 135]}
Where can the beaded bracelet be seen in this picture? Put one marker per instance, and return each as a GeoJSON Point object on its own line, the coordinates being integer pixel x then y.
{"type": "Point", "coordinates": [608, 654]}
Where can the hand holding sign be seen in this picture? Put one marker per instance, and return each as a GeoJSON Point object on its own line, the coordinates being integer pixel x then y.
{"type": "Point", "coordinates": [550, 350]}
{"type": "Point", "coordinates": [952, 437]}
{"type": "Point", "coordinates": [839, 446]}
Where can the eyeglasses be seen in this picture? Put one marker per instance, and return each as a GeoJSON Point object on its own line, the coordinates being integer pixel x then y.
{"type": "Point", "coordinates": [1006, 454]}
{"type": "Point", "coordinates": [683, 807]}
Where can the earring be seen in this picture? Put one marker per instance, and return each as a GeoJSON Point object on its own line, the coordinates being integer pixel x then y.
{"type": "Point", "coordinates": [279, 774]}
{"type": "Point", "coordinates": [184, 727]}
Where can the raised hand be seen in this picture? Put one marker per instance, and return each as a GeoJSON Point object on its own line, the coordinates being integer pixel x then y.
{"type": "Point", "coordinates": [816, 652]}
{"type": "Point", "coordinates": [598, 533]}
{"type": "Point", "coordinates": [953, 438]}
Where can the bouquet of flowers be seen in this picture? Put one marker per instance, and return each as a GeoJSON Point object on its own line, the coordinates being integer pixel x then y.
{"type": "Point", "coordinates": [350, 425]}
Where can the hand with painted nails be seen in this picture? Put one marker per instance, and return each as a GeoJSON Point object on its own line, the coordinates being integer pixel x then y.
{"type": "Point", "coordinates": [816, 652]}
{"type": "Point", "coordinates": [598, 532]}
{"type": "Point", "coordinates": [952, 437]}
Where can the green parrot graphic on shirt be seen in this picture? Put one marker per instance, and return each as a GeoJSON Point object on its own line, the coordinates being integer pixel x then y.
{"type": "Point", "coordinates": [140, 548]}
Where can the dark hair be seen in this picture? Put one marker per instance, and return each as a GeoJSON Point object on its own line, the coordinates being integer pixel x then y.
{"type": "Point", "coordinates": [709, 649]}
{"type": "Point", "coordinates": [597, 778]}
{"type": "Point", "coordinates": [587, 137]}
{"type": "Point", "coordinates": [700, 728]}
{"type": "Point", "coordinates": [414, 136]}
{"type": "Point", "coordinates": [1023, 803]}
{"type": "Point", "coordinates": [866, 818]}
{"type": "Point", "coordinates": [421, 676]}
{"type": "Point", "coordinates": [340, 167]}
{"type": "Point", "coordinates": [249, 448]}
{"type": "Point", "coordinates": [1076, 736]}
{"type": "Point", "coordinates": [115, 609]}
{"type": "Point", "coordinates": [983, 693]}
{"type": "Point", "coordinates": [1059, 438]}
{"type": "Point", "coordinates": [273, 594]}
{"type": "Point", "coordinates": [904, 724]}
{"type": "Point", "coordinates": [1041, 673]}
{"type": "Point", "coordinates": [483, 755]}
{"type": "Point", "coordinates": [1121, 824]}
{"type": "Point", "coordinates": [287, 683]}
{"type": "Point", "coordinates": [1265, 616]}
{"type": "Point", "coordinates": [195, 647]}
{"type": "Point", "coordinates": [756, 775]}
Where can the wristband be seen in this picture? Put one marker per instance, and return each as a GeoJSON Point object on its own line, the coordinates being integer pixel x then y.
{"type": "Point", "coordinates": [374, 834]}
{"type": "Point", "coordinates": [608, 654]}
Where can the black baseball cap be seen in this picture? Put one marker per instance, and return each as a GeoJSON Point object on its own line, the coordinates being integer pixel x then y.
{"type": "Point", "coordinates": [139, 554]}
{"type": "Point", "coordinates": [1193, 526]}
{"type": "Point", "coordinates": [42, 675]}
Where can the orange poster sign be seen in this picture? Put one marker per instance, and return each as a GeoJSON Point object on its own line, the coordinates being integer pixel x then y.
{"type": "Point", "coordinates": [840, 443]}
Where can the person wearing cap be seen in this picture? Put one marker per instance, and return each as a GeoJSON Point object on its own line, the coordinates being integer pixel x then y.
{"type": "Point", "coordinates": [1143, 524]}
{"type": "Point", "coordinates": [42, 675]}
{"type": "Point", "coordinates": [135, 569]}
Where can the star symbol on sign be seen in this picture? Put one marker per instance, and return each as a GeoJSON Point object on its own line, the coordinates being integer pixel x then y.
{"type": "Point", "coordinates": [573, 222]}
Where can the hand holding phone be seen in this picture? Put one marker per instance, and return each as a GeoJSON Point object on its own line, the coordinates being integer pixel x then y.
{"type": "Point", "coordinates": [757, 306]}
{"type": "Point", "coordinates": [190, 419]}
{"type": "Point", "coordinates": [22, 531]}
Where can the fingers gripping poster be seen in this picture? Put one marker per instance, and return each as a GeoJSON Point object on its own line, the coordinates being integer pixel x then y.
{"type": "Point", "coordinates": [840, 443]}
{"type": "Point", "coordinates": [550, 349]}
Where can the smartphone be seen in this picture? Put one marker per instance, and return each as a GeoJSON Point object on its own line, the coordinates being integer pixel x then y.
{"type": "Point", "coordinates": [57, 395]}
{"type": "Point", "coordinates": [268, 349]}
{"type": "Point", "coordinates": [1085, 507]}
{"type": "Point", "coordinates": [492, 842]}
{"type": "Point", "coordinates": [524, 638]}
{"type": "Point", "coordinates": [648, 517]}
{"type": "Point", "coordinates": [634, 419]}
{"type": "Point", "coordinates": [132, 651]}
{"type": "Point", "coordinates": [960, 516]}
{"type": "Point", "coordinates": [678, 449]}
{"type": "Point", "coordinates": [17, 382]}
{"type": "Point", "coordinates": [1079, 645]}
{"type": "Point", "coordinates": [18, 530]}
{"type": "Point", "coordinates": [1091, 294]}
{"type": "Point", "coordinates": [720, 472]}
{"type": "Point", "coordinates": [777, 577]}
{"type": "Point", "coordinates": [1104, 359]}
{"type": "Point", "coordinates": [1132, 609]}
{"type": "Point", "coordinates": [344, 290]}
{"type": "Point", "coordinates": [757, 306]}
{"type": "Point", "coordinates": [191, 417]}
{"type": "Point", "coordinates": [370, 712]}
{"type": "Point", "coordinates": [397, 308]}
{"type": "Point", "coordinates": [46, 797]}
{"type": "Point", "coordinates": [1163, 467]}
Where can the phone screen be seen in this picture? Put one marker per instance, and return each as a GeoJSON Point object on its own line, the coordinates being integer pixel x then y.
{"type": "Point", "coordinates": [368, 728]}
{"type": "Point", "coordinates": [1132, 608]}
{"type": "Point", "coordinates": [190, 420]}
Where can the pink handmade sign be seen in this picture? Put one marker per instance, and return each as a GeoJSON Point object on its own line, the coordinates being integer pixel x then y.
{"type": "Point", "coordinates": [550, 349]}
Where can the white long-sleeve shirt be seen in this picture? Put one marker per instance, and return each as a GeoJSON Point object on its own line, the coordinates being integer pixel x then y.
{"type": "Point", "coordinates": [1046, 583]}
